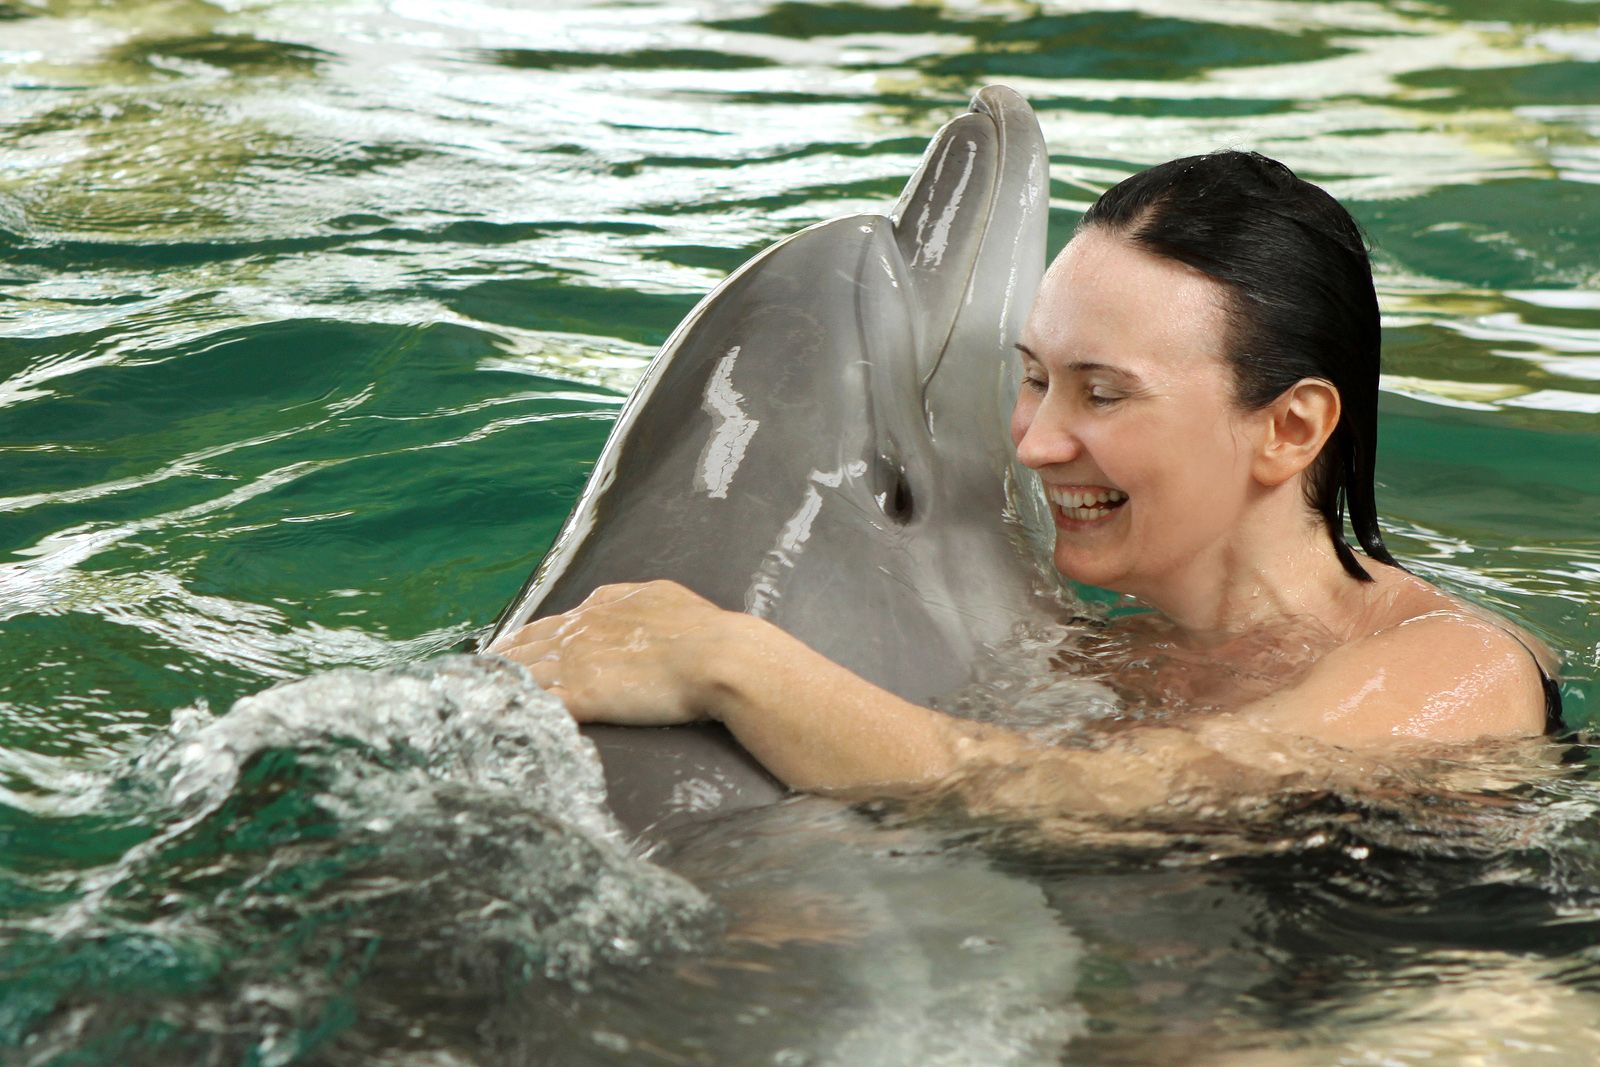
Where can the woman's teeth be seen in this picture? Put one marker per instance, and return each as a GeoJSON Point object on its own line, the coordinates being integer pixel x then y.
{"type": "Point", "coordinates": [1086, 504]}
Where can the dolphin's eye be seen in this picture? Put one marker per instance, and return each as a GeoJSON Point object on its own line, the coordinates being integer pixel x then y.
{"type": "Point", "coordinates": [899, 502]}
{"type": "Point", "coordinates": [893, 491]}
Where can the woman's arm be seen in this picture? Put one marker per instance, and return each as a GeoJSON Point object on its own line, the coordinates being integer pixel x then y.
{"type": "Point", "coordinates": [656, 654]}
{"type": "Point", "coordinates": [820, 727]}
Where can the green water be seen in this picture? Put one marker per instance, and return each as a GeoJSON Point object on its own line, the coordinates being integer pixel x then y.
{"type": "Point", "coordinates": [313, 317]}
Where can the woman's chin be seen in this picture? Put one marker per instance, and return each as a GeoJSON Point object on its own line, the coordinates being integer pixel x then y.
{"type": "Point", "coordinates": [1088, 568]}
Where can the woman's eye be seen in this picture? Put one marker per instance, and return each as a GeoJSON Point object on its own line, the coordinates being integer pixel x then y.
{"type": "Point", "coordinates": [1100, 396]}
{"type": "Point", "coordinates": [1034, 382]}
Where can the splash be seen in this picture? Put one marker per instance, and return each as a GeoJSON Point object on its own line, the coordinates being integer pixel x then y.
{"type": "Point", "coordinates": [331, 865]}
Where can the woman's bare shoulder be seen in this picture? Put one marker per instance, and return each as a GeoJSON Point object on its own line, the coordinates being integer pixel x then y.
{"type": "Point", "coordinates": [1428, 666]}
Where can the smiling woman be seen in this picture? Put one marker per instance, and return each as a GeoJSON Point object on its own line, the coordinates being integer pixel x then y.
{"type": "Point", "coordinates": [1199, 402]}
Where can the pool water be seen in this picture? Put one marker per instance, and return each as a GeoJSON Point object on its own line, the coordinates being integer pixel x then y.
{"type": "Point", "coordinates": [313, 318]}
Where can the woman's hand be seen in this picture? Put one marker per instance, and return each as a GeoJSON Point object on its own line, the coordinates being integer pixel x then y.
{"type": "Point", "coordinates": [637, 654]}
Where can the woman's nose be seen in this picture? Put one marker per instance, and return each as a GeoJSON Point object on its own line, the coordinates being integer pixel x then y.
{"type": "Point", "coordinates": [1044, 441]}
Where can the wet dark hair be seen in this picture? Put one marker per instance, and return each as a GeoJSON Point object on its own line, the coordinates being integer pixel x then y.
{"type": "Point", "coordinates": [1302, 305]}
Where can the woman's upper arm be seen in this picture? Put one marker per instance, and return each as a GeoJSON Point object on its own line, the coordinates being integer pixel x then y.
{"type": "Point", "coordinates": [1447, 676]}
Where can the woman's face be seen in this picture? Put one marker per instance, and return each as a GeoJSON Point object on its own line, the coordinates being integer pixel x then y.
{"type": "Point", "coordinates": [1126, 413]}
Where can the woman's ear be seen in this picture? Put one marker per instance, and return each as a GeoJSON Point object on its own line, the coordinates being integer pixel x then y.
{"type": "Point", "coordinates": [1299, 423]}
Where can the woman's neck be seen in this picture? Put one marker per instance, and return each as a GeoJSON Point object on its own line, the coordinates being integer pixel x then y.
{"type": "Point", "coordinates": [1288, 570]}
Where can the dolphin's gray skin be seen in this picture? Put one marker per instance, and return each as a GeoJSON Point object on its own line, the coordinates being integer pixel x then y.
{"type": "Point", "coordinates": [823, 442]}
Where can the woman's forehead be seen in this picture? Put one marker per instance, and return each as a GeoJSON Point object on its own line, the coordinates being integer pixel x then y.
{"type": "Point", "coordinates": [1106, 300]}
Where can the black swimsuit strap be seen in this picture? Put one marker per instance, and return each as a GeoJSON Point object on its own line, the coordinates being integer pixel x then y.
{"type": "Point", "coordinates": [1552, 702]}
{"type": "Point", "coordinates": [1552, 691]}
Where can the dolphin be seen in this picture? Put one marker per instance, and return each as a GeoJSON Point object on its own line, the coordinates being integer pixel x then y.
{"type": "Point", "coordinates": [823, 442]}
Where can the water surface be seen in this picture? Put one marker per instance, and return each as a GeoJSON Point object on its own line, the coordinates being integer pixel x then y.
{"type": "Point", "coordinates": [313, 317]}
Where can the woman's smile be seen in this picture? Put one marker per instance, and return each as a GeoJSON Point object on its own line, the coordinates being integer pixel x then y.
{"type": "Point", "coordinates": [1079, 506]}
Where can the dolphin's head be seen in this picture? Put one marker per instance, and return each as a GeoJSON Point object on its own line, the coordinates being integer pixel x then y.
{"type": "Point", "coordinates": [823, 441]}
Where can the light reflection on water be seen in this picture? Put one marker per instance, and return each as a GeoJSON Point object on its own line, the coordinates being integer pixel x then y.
{"type": "Point", "coordinates": [314, 316]}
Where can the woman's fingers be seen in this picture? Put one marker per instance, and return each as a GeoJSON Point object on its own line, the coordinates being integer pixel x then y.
{"type": "Point", "coordinates": [539, 630]}
{"type": "Point", "coordinates": [530, 652]}
{"type": "Point", "coordinates": [542, 659]}
{"type": "Point", "coordinates": [546, 672]}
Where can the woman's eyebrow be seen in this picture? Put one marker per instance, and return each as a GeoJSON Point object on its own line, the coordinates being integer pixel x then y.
{"type": "Point", "coordinates": [1084, 366]}
{"type": "Point", "coordinates": [1088, 367]}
